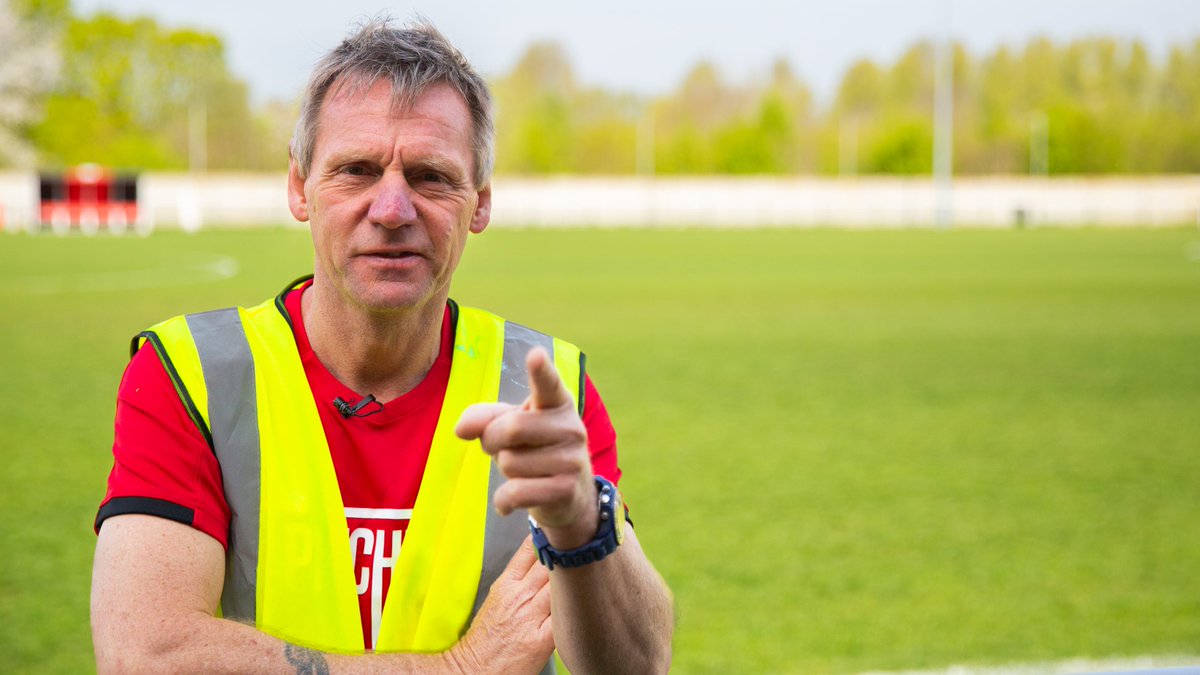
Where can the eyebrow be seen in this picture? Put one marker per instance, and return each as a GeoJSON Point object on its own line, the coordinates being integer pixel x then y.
{"type": "Point", "coordinates": [439, 164]}
{"type": "Point", "coordinates": [347, 157]}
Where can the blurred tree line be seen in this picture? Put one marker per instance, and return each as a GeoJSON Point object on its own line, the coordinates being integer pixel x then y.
{"type": "Point", "coordinates": [1098, 105]}
{"type": "Point", "coordinates": [131, 93]}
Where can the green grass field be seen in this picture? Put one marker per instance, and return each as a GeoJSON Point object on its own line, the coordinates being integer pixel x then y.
{"type": "Point", "coordinates": [845, 451]}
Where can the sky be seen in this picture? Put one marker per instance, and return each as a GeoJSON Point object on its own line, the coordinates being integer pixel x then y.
{"type": "Point", "coordinates": [648, 46]}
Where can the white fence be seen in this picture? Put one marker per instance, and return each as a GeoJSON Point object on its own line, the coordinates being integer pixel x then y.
{"type": "Point", "coordinates": [237, 200]}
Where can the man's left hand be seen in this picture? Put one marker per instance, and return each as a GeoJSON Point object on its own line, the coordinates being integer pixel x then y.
{"type": "Point", "coordinates": [541, 447]}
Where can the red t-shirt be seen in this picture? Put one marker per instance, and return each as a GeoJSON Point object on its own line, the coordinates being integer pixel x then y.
{"type": "Point", "coordinates": [163, 466]}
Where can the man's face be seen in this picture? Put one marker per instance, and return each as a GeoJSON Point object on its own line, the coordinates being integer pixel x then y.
{"type": "Point", "coordinates": [390, 196]}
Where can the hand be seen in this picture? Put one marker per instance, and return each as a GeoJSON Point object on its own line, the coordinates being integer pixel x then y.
{"type": "Point", "coordinates": [541, 447]}
{"type": "Point", "coordinates": [512, 631]}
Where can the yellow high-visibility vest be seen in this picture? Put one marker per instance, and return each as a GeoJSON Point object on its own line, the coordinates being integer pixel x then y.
{"type": "Point", "coordinates": [288, 564]}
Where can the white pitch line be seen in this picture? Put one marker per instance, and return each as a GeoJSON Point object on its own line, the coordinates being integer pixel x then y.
{"type": "Point", "coordinates": [209, 270]}
{"type": "Point", "coordinates": [1179, 662]}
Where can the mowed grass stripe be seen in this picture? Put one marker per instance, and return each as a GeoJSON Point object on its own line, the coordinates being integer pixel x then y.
{"type": "Point", "coordinates": [846, 451]}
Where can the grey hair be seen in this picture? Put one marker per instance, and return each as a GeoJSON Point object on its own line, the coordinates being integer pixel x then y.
{"type": "Point", "coordinates": [412, 58]}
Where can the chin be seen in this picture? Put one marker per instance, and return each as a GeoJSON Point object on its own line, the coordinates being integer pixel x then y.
{"type": "Point", "coordinates": [388, 296]}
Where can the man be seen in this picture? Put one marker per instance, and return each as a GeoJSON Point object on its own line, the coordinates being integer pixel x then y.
{"type": "Point", "coordinates": [250, 441]}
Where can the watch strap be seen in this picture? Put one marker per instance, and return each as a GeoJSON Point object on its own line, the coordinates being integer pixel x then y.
{"type": "Point", "coordinates": [606, 541]}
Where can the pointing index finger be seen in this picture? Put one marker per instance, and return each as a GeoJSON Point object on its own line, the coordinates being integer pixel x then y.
{"type": "Point", "coordinates": [546, 389]}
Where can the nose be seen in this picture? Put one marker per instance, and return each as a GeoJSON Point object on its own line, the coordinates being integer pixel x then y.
{"type": "Point", "coordinates": [392, 205]}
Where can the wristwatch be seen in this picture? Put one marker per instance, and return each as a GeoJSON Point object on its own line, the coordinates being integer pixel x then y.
{"type": "Point", "coordinates": [608, 537]}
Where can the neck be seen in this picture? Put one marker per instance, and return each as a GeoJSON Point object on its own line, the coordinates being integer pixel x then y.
{"type": "Point", "coordinates": [384, 353]}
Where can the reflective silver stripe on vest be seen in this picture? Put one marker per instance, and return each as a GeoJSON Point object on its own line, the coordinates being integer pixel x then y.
{"type": "Point", "coordinates": [503, 534]}
{"type": "Point", "coordinates": [233, 419]}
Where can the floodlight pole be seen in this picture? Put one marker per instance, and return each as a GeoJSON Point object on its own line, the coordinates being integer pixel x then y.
{"type": "Point", "coordinates": [1039, 143]}
{"type": "Point", "coordinates": [848, 145]}
{"type": "Point", "coordinates": [644, 132]}
{"type": "Point", "coordinates": [198, 137]}
{"type": "Point", "coordinates": [943, 121]}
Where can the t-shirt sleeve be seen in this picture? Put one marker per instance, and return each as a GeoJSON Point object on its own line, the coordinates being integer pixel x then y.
{"type": "Point", "coordinates": [602, 438]}
{"type": "Point", "coordinates": [162, 466]}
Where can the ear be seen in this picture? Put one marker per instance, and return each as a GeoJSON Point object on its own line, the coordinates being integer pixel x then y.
{"type": "Point", "coordinates": [483, 210]}
{"type": "Point", "coordinates": [297, 202]}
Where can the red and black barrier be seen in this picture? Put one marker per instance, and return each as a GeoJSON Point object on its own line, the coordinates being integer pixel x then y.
{"type": "Point", "coordinates": [88, 198]}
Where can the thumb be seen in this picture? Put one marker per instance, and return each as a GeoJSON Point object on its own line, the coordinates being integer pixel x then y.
{"type": "Point", "coordinates": [477, 417]}
{"type": "Point", "coordinates": [523, 560]}
{"type": "Point", "coordinates": [546, 388]}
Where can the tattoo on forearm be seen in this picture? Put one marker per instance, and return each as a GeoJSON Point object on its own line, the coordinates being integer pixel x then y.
{"type": "Point", "coordinates": [306, 661]}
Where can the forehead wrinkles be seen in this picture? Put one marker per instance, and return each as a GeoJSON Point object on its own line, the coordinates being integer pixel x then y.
{"type": "Point", "coordinates": [405, 95]}
{"type": "Point", "coordinates": [349, 94]}
{"type": "Point", "coordinates": [357, 83]}
{"type": "Point", "coordinates": [431, 133]}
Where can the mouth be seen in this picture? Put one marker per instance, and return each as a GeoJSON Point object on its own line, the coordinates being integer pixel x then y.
{"type": "Point", "coordinates": [390, 254]}
{"type": "Point", "coordinates": [391, 262]}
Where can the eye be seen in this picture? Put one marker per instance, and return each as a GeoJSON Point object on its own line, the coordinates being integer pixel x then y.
{"type": "Point", "coordinates": [431, 177]}
{"type": "Point", "coordinates": [353, 170]}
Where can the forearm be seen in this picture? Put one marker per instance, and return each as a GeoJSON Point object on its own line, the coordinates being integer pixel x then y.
{"type": "Point", "coordinates": [155, 587]}
{"type": "Point", "coordinates": [609, 616]}
{"type": "Point", "coordinates": [614, 615]}
{"type": "Point", "coordinates": [208, 644]}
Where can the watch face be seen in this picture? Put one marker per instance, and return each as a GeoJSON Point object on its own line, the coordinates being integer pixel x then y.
{"type": "Point", "coordinates": [618, 517]}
